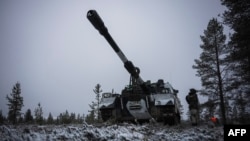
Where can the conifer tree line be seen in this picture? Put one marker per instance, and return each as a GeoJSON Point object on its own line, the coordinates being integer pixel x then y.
{"type": "Point", "coordinates": [224, 67]}
{"type": "Point", "coordinates": [15, 116]}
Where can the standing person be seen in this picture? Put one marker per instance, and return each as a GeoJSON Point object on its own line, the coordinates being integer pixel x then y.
{"type": "Point", "coordinates": [193, 101]}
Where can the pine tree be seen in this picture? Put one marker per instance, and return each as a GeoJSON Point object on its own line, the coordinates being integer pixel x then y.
{"type": "Point", "coordinates": [65, 117]}
{"type": "Point", "coordinates": [80, 118]}
{"type": "Point", "coordinates": [90, 118]}
{"type": "Point", "coordinates": [39, 114]}
{"type": "Point", "coordinates": [50, 119]}
{"type": "Point", "coordinates": [28, 118]}
{"type": "Point", "coordinates": [237, 18]}
{"type": "Point", "coordinates": [94, 113]}
{"type": "Point", "coordinates": [211, 66]}
{"type": "Point", "coordinates": [20, 119]}
{"type": "Point", "coordinates": [72, 118]}
{"type": "Point", "coordinates": [15, 103]}
{"type": "Point", "coordinates": [98, 92]}
{"type": "Point", "coordinates": [59, 118]}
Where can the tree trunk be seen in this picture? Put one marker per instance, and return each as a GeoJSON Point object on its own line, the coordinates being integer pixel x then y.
{"type": "Point", "coordinates": [222, 106]}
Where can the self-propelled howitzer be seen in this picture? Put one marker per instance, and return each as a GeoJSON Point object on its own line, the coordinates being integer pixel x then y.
{"type": "Point", "coordinates": [139, 101]}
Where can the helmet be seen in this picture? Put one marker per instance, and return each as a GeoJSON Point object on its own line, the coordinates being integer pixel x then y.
{"type": "Point", "coordinates": [192, 90]}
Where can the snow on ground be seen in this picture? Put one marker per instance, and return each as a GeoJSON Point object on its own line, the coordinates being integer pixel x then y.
{"type": "Point", "coordinates": [123, 132]}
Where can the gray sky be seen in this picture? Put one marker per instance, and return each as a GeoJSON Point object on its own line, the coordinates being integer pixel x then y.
{"type": "Point", "coordinates": [51, 48]}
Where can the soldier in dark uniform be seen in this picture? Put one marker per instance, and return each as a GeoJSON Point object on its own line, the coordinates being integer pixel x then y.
{"type": "Point", "coordinates": [193, 101]}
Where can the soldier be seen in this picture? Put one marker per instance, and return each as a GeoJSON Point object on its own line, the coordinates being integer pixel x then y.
{"type": "Point", "coordinates": [192, 100]}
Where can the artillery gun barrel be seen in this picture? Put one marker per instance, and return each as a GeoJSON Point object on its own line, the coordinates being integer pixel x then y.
{"type": "Point", "coordinates": [97, 22]}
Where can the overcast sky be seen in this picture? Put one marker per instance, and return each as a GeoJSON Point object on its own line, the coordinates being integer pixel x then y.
{"type": "Point", "coordinates": [51, 48]}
